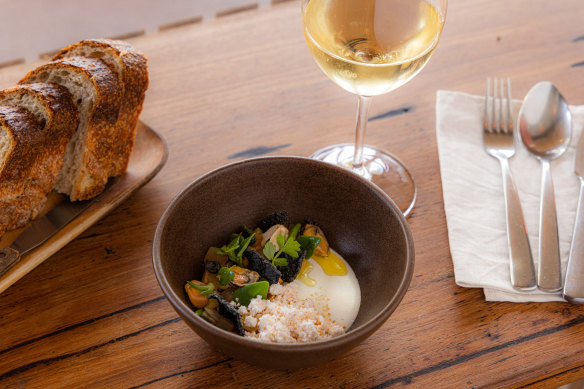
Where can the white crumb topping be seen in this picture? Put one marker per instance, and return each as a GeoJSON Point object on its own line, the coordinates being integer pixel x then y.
{"type": "Point", "coordinates": [250, 321]}
{"type": "Point", "coordinates": [243, 310]}
{"type": "Point", "coordinates": [276, 289]}
{"type": "Point", "coordinates": [285, 318]}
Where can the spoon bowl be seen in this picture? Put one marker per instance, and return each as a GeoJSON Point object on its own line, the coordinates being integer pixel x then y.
{"type": "Point", "coordinates": [545, 121]}
{"type": "Point", "coordinates": [545, 126]}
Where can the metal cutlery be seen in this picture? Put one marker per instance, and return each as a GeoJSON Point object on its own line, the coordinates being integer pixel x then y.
{"type": "Point", "coordinates": [574, 284]}
{"type": "Point", "coordinates": [498, 140]}
{"type": "Point", "coordinates": [545, 126]}
{"type": "Point", "coordinates": [40, 231]}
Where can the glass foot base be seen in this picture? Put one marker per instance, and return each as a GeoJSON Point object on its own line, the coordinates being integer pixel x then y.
{"type": "Point", "coordinates": [380, 167]}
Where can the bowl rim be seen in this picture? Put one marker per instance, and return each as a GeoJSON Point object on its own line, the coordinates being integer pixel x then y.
{"type": "Point", "coordinates": [349, 336]}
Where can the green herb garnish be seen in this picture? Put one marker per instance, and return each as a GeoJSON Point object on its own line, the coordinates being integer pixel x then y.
{"type": "Point", "coordinates": [246, 293]}
{"type": "Point", "coordinates": [226, 275]}
{"type": "Point", "coordinates": [234, 250]}
{"type": "Point", "coordinates": [289, 246]}
{"type": "Point", "coordinates": [295, 231]}
{"type": "Point", "coordinates": [231, 248]}
{"type": "Point", "coordinates": [244, 245]}
{"type": "Point", "coordinates": [309, 243]}
{"type": "Point", "coordinates": [204, 289]}
{"type": "Point", "coordinates": [270, 250]}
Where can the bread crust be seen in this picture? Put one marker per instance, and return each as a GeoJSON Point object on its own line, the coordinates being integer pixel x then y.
{"type": "Point", "coordinates": [60, 119]}
{"type": "Point", "coordinates": [91, 177]}
{"type": "Point", "coordinates": [134, 76]}
{"type": "Point", "coordinates": [25, 135]}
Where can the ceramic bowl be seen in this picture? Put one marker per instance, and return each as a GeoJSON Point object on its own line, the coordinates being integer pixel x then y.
{"type": "Point", "coordinates": [361, 222]}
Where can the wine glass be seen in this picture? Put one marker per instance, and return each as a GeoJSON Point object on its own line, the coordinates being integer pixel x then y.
{"type": "Point", "coordinates": [371, 47]}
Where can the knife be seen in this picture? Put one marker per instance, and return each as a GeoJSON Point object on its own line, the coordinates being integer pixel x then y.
{"type": "Point", "coordinates": [574, 285]}
{"type": "Point", "coordinates": [40, 231]}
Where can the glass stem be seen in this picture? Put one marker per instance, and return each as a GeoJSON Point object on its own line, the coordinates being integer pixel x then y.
{"type": "Point", "coordinates": [363, 104]}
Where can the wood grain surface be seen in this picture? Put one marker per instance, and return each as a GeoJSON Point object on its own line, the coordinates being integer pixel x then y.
{"type": "Point", "coordinates": [245, 85]}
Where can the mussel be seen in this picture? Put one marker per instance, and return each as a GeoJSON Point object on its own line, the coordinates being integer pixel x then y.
{"type": "Point", "coordinates": [313, 230]}
{"type": "Point", "coordinates": [242, 276]}
{"type": "Point", "coordinates": [214, 262]}
{"type": "Point", "coordinates": [271, 235]}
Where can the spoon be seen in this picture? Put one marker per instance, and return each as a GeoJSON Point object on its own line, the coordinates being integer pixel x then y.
{"type": "Point", "coordinates": [545, 126]}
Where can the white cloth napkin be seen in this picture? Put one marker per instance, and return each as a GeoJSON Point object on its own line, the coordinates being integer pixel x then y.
{"type": "Point", "coordinates": [474, 203]}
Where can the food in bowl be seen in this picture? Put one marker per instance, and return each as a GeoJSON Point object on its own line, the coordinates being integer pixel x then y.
{"type": "Point", "coordinates": [277, 284]}
{"type": "Point", "coordinates": [360, 221]}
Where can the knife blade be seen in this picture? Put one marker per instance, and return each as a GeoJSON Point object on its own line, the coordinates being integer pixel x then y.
{"type": "Point", "coordinates": [40, 231]}
{"type": "Point", "coordinates": [573, 290]}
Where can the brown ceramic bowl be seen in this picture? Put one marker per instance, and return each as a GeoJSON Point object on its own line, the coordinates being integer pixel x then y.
{"type": "Point", "coordinates": [360, 221]}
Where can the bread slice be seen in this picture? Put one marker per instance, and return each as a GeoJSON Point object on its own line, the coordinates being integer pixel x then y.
{"type": "Point", "coordinates": [52, 105]}
{"type": "Point", "coordinates": [131, 67]}
{"type": "Point", "coordinates": [20, 139]}
{"type": "Point", "coordinates": [97, 93]}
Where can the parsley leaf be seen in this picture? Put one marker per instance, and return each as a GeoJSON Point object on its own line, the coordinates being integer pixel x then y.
{"type": "Point", "coordinates": [280, 262]}
{"type": "Point", "coordinates": [288, 246]}
{"type": "Point", "coordinates": [281, 241]}
{"type": "Point", "coordinates": [291, 247]}
{"type": "Point", "coordinates": [270, 250]}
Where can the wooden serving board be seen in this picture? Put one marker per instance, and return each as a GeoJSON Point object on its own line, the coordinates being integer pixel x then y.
{"type": "Point", "coordinates": [148, 157]}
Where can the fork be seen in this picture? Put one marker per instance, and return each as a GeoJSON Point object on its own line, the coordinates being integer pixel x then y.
{"type": "Point", "coordinates": [499, 143]}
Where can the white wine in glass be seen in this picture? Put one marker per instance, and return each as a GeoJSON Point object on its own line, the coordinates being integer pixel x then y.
{"type": "Point", "coordinates": [371, 47]}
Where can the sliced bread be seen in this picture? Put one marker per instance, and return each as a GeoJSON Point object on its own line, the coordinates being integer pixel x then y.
{"type": "Point", "coordinates": [20, 140]}
{"type": "Point", "coordinates": [131, 67]}
{"type": "Point", "coordinates": [52, 105]}
{"type": "Point", "coordinates": [97, 93]}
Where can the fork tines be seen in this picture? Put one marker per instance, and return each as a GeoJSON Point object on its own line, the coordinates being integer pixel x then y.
{"type": "Point", "coordinates": [495, 119]}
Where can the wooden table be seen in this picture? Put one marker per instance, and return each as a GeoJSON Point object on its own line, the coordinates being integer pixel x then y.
{"type": "Point", "coordinates": [244, 85]}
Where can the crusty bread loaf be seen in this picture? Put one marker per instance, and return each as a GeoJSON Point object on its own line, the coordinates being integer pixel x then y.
{"type": "Point", "coordinates": [69, 125]}
{"type": "Point", "coordinates": [131, 67]}
{"type": "Point", "coordinates": [52, 105]}
{"type": "Point", "coordinates": [20, 139]}
{"type": "Point", "coordinates": [97, 93]}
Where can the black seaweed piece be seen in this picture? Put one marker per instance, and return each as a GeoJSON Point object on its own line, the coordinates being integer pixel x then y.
{"type": "Point", "coordinates": [273, 219]}
{"type": "Point", "coordinates": [246, 233]}
{"type": "Point", "coordinates": [212, 266]}
{"type": "Point", "coordinates": [230, 312]}
{"type": "Point", "coordinates": [262, 266]}
{"type": "Point", "coordinates": [290, 271]}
